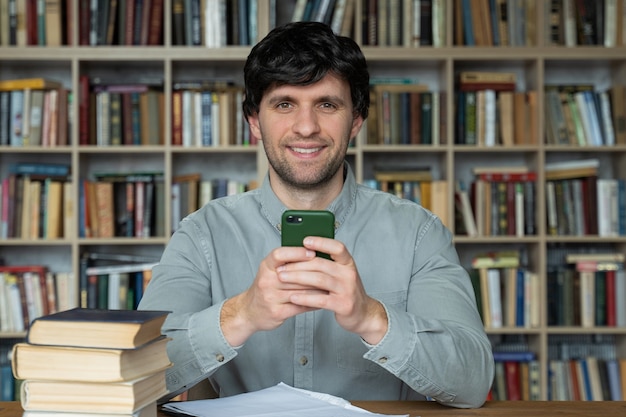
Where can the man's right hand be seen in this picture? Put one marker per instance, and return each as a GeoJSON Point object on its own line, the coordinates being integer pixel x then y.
{"type": "Point", "coordinates": [265, 304]}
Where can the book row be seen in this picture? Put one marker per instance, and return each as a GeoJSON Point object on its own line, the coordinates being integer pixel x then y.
{"type": "Point", "coordinates": [586, 206]}
{"type": "Point", "coordinates": [495, 22]}
{"type": "Point", "coordinates": [414, 183]}
{"type": "Point", "coordinates": [122, 205]}
{"type": "Point", "coordinates": [586, 296]}
{"type": "Point", "coordinates": [579, 116]}
{"type": "Point", "coordinates": [36, 207]}
{"type": "Point", "coordinates": [407, 24]}
{"type": "Point", "coordinates": [583, 22]}
{"type": "Point", "coordinates": [35, 117]}
{"type": "Point", "coordinates": [497, 206]}
{"type": "Point", "coordinates": [42, 23]}
{"type": "Point", "coordinates": [507, 297]}
{"type": "Point", "coordinates": [190, 192]}
{"type": "Point", "coordinates": [37, 202]}
{"type": "Point", "coordinates": [128, 22]}
{"type": "Point", "coordinates": [491, 117]}
{"type": "Point", "coordinates": [516, 380]}
{"type": "Point", "coordinates": [114, 287]}
{"type": "Point", "coordinates": [488, 112]}
{"type": "Point", "coordinates": [204, 113]}
{"type": "Point", "coordinates": [338, 14]}
{"type": "Point", "coordinates": [214, 24]}
{"type": "Point", "coordinates": [567, 22]}
{"type": "Point", "coordinates": [587, 379]}
{"type": "Point", "coordinates": [406, 115]}
{"type": "Point", "coordinates": [130, 117]}
{"type": "Point", "coordinates": [210, 117]}
{"type": "Point", "coordinates": [124, 22]}
{"type": "Point", "coordinates": [32, 291]}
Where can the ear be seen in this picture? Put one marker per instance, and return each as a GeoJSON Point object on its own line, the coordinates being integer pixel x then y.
{"type": "Point", "coordinates": [357, 123]}
{"type": "Point", "coordinates": [255, 128]}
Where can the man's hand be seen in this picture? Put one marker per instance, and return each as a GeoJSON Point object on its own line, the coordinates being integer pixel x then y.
{"type": "Point", "coordinates": [339, 289]}
{"type": "Point", "coordinates": [266, 304]}
{"type": "Point", "coordinates": [292, 280]}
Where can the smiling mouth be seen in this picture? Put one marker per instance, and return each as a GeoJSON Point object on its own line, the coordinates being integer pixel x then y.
{"type": "Point", "coordinates": [306, 150]}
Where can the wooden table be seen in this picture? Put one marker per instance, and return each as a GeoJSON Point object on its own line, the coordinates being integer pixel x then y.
{"type": "Point", "coordinates": [500, 408]}
{"type": "Point", "coordinates": [427, 409]}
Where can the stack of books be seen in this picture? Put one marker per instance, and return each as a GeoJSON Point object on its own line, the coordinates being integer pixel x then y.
{"type": "Point", "coordinates": [91, 362]}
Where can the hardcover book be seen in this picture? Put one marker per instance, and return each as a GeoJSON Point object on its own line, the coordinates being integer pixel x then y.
{"type": "Point", "coordinates": [149, 410]}
{"type": "Point", "coordinates": [80, 327]}
{"type": "Point", "coordinates": [118, 397]}
{"type": "Point", "coordinates": [64, 363]}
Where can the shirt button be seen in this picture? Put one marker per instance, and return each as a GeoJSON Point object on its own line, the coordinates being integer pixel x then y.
{"type": "Point", "coordinates": [219, 357]}
{"type": "Point", "coordinates": [382, 360]}
{"type": "Point", "coordinates": [304, 360]}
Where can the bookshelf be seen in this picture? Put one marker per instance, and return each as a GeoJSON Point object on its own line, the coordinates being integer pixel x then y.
{"type": "Point", "coordinates": [537, 63]}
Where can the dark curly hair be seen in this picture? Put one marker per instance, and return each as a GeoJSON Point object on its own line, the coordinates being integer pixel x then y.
{"type": "Point", "coordinates": [302, 53]}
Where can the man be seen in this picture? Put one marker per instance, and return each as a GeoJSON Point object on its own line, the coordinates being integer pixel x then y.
{"type": "Point", "coordinates": [392, 316]}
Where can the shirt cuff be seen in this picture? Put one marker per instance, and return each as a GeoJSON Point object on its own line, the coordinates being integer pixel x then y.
{"type": "Point", "coordinates": [208, 343]}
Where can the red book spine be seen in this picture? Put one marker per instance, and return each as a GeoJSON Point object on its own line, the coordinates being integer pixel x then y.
{"type": "Point", "coordinates": [130, 19]}
{"type": "Point", "coordinates": [127, 120]}
{"type": "Point", "coordinates": [83, 110]}
{"type": "Point", "coordinates": [512, 375]}
{"type": "Point", "coordinates": [31, 23]}
{"type": "Point", "coordinates": [155, 34]}
{"type": "Point", "coordinates": [611, 319]}
{"type": "Point", "coordinates": [83, 22]}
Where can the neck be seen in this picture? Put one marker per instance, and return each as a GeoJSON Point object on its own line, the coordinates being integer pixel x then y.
{"type": "Point", "coordinates": [317, 198]}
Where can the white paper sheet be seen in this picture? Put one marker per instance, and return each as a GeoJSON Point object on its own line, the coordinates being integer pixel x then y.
{"type": "Point", "coordinates": [277, 401]}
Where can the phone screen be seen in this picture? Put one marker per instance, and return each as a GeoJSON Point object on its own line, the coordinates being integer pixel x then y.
{"type": "Point", "coordinates": [298, 224]}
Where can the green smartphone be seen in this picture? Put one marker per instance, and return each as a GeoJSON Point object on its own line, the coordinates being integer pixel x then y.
{"type": "Point", "coordinates": [297, 224]}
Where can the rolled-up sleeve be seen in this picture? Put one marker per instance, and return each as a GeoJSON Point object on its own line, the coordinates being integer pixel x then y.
{"type": "Point", "coordinates": [438, 346]}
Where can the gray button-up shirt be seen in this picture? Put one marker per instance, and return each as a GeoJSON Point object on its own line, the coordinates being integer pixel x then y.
{"type": "Point", "coordinates": [435, 345]}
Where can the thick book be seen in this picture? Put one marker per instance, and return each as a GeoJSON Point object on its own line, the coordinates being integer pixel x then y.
{"type": "Point", "coordinates": [81, 327]}
{"type": "Point", "coordinates": [63, 363]}
{"type": "Point", "coordinates": [88, 397]}
{"type": "Point", "coordinates": [149, 410]}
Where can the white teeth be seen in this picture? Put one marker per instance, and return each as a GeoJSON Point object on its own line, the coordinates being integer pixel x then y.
{"type": "Point", "coordinates": [305, 150]}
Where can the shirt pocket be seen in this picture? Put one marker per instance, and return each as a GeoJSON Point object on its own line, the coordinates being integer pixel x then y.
{"type": "Point", "coordinates": [350, 350]}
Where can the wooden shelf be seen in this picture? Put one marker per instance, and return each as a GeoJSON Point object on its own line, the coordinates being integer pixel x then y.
{"type": "Point", "coordinates": [538, 65]}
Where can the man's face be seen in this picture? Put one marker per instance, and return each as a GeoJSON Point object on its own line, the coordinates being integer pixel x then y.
{"type": "Point", "coordinates": [306, 130]}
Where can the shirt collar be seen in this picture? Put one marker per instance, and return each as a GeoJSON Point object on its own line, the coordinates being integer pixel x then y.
{"type": "Point", "coordinates": [272, 208]}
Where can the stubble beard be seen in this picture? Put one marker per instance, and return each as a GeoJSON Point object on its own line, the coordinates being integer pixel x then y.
{"type": "Point", "coordinates": [295, 177]}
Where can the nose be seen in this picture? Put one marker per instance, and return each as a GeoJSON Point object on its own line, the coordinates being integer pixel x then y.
{"type": "Point", "coordinates": [306, 122]}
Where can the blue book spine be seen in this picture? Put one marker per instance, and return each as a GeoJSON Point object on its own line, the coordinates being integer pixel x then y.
{"type": "Point", "coordinates": [615, 384]}
{"type": "Point", "coordinates": [135, 118]}
{"type": "Point", "coordinates": [207, 104]}
{"type": "Point", "coordinates": [519, 299]}
{"type": "Point", "coordinates": [468, 28]}
{"type": "Point", "coordinates": [525, 356]}
{"type": "Point", "coordinates": [495, 30]}
{"type": "Point", "coordinates": [138, 287]}
{"type": "Point", "coordinates": [586, 380]}
{"type": "Point", "coordinates": [7, 383]}
{"type": "Point", "coordinates": [40, 169]}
